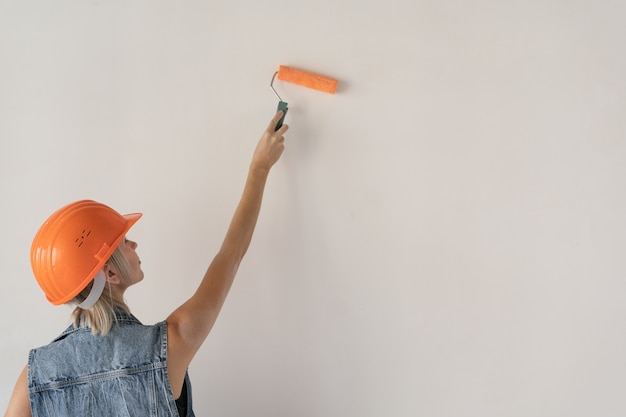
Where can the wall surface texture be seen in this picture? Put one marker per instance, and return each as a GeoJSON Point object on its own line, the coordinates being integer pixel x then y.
{"type": "Point", "coordinates": [444, 237]}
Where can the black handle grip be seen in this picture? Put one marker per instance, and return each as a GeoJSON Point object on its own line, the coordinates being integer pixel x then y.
{"type": "Point", "coordinates": [281, 106]}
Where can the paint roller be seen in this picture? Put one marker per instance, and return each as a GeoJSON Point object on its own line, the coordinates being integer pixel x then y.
{"type": "Point", "coordinates": [304, 78]}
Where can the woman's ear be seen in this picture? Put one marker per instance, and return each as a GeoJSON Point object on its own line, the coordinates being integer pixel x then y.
{"type": "Point", "coordinates": [111, 274]}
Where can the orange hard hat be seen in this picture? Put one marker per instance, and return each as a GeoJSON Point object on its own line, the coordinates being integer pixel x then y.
{"type": "Point", "coordinates": [74, 244]}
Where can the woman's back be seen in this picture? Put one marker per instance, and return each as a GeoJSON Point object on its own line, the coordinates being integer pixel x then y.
{"type": "Point", "coordinates": [122, 373]}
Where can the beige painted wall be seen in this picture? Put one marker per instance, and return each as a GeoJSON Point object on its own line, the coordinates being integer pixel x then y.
{"type": "Point", "coordinates": [445, 236]}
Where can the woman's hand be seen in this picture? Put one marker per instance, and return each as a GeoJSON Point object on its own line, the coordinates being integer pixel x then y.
{"type": "Point", "coordinates": [270, 146]}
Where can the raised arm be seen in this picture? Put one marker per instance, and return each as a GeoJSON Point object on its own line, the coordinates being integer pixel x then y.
{"type": "Point", "coordinates": [189, 325]}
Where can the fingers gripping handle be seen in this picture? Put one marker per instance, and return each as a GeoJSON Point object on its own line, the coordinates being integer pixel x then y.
{"type": "Point", "coordinates": [282, 106]}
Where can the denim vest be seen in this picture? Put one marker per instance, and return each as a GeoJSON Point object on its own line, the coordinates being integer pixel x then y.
{"type": "Point", "coordinates": [121, 374]}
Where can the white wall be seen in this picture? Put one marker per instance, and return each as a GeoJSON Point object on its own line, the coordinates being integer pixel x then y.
{"type": "Point", "coordinates": [445, 236]}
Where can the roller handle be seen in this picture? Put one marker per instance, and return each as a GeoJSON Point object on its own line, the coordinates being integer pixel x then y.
{"type": "Point", "coordinates": [282, 106]}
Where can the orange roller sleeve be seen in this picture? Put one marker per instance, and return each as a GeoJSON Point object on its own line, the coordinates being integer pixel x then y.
{"type": "Point", "coordinates": [307, 79]}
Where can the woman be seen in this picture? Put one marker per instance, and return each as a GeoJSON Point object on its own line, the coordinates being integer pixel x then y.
{"type": "Point", "coordinates": [107, 363]}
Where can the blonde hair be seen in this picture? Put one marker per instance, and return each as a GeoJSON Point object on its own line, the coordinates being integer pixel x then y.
{"type": "Point", "coordinates": [101, 316]}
